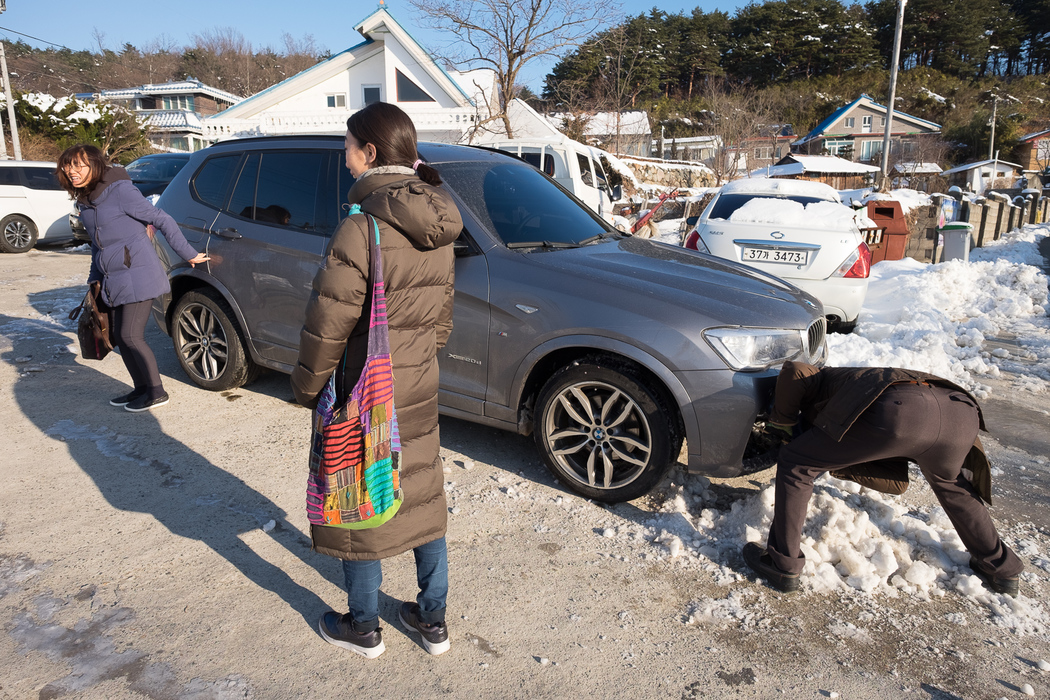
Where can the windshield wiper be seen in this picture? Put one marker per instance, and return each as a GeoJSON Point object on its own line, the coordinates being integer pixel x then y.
{"type": "Point", "coordinates": [594, 239]}
{"type": "Point", "coordinates": [542, 244]}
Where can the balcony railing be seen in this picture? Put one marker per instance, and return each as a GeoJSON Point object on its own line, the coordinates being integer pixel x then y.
{"type": "Point", "coordinates": [217, 128]}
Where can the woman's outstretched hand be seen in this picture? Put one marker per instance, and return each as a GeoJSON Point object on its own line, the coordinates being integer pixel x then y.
{"type": "Point", "coordinates": [199, 258]}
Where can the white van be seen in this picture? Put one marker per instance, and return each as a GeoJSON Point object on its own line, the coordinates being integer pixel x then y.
{"type": "Point", "coordinates": [575, 166]}
{"type": "Point", "coordinates": [33, 206]}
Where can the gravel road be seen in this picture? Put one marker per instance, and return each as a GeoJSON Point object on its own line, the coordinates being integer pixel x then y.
{"type": "Point", "coordinates": [164, 555]}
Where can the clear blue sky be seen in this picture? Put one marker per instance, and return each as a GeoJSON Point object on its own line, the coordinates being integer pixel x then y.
{"type": "Point", "coordinates": [75, 23]}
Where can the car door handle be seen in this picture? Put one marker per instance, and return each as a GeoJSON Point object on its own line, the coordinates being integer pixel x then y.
{"type": "Point", "coordinates": [230, 233]}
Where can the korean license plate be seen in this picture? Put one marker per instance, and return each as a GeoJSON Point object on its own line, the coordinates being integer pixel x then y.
{"type": "Point", "coordinates": [790, 257]}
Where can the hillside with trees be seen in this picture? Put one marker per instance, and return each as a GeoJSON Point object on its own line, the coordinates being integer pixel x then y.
{"type": "Point", "coordinates": [796, 61]}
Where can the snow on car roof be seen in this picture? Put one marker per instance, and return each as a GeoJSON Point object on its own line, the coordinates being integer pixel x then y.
{"type": "Point", "coordinates": [783, 188]}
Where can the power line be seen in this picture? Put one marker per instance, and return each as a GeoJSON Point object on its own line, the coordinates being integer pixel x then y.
{"type": "Point", "coordinates": [36, 38]}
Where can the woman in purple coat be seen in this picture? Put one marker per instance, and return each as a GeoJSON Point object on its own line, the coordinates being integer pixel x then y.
{"type": "Point", "coordinates": [124, 261]}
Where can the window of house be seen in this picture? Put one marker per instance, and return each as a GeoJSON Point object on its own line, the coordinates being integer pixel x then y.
{"type": "Point", "coordinates": [371, 93]}
{"type": "Point", "coordinates": [866, 124]}
{"type": "Point", "coordinates": [336, 101]}
{"type": "Point", "coordinates": [849, 122]}
{"type": "Point", "coordinates": [883, 124]}
{"type": "Point", "coordinates": [870, 150]}
{"type": "Point", "coordinates": [408, 91]}
{"type": "Point", "coordinates": [838, 147]}
{"type": "Point", "coordinates": [178, 102]}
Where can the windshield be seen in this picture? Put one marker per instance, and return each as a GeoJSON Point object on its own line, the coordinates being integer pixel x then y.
{"type": "Point", "coordinates": [156, 168]}
{"type": "Point", "coordinates": [729, 203]}
{"type": "Point", "coordinates": [520, 205]}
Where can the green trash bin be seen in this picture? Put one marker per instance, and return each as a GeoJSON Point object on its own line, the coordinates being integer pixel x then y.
{"type": "Point", "coordinates": [956, 236]}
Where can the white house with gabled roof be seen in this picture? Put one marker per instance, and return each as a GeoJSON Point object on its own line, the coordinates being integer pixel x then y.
{"type": "Point", "coordinates": [388, 66]}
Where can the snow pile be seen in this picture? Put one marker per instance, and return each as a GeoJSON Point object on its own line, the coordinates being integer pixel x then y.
{"type": "Point", "coordinates": [908, 199]}
{"type": "Point", "coordinates": [946, 318]}
{"type": "Point", "coordinates": [786, 212]}
{"type": "Point", "coordinates": [856, 541]}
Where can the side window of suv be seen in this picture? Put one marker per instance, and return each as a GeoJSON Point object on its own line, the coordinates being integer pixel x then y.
{"type": "Point", "coordinates": [9, 176]}
{"type": "Point", "coordinates": [288, 188]}
{"type": "Point", "coordinates": [212, 181]}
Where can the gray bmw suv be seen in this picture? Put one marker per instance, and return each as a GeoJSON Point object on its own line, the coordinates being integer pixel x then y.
{"type": "Point", "coordinates": [610, 350]}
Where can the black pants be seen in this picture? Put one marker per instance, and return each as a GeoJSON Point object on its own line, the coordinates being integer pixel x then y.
{"type": "Point", "coordinates": [129, 331]}
{"type": "Point", "coordinates": [931, 426]}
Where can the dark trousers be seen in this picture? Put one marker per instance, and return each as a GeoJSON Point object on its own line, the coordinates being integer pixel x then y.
{"type": "Point", "coordinates": [129, 330]}
{"type": "Point", "coordinates": [931, 426]}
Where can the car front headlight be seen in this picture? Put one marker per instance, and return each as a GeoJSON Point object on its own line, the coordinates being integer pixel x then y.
{"type": "Point", "coordinates": [753, 349]}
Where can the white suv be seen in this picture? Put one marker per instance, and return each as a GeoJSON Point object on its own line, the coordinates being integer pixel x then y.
{"type": "Point", "coordinates": [33, 206]}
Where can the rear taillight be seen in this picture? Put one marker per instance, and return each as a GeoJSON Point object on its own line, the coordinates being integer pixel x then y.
{"type": "Point", "coordinates": [693, 242]}
{"type": "Point", "coordinates": [857, 265]}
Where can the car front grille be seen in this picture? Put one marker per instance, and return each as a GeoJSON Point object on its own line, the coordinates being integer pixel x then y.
{"type": "Point", "coordinates": [815, 338]}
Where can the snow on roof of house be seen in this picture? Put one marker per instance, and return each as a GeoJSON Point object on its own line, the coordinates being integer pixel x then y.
{"type": "Point", "coordinates": [978, 164]}
{"type": "Point", "coordinates": [819, 129]}
{"type": "Point", "coordinates": [604, 123]}
{"type": "Point", "coordinates": [918, 168]}
{"type": "Point", "coordinates": [798, 165]}
{"type": "Point", "coordinates": [189, 86]}
{"type": "Point", "coordinates": [630, 123]}
{"type": "Point", "coordinates": [1036, 135]}
{"type": "Point", "coordinates": [173, 119]}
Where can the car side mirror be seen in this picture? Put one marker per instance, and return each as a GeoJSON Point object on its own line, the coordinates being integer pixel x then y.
{"type": "Point", "coordinates": [617, 193]}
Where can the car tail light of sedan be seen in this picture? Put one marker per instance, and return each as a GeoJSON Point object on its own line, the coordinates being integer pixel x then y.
{"type": "Point", "coordinates": [694, 242]}
{"type": "Point", "coordinates": [857, 265]}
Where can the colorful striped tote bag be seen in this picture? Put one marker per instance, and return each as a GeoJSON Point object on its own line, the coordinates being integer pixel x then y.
{"type": "Point", "coordinates": [355, 453]}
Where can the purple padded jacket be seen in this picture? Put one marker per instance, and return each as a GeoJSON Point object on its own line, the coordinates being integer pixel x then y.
{"type": "Point", "coordinates": [122, 256]}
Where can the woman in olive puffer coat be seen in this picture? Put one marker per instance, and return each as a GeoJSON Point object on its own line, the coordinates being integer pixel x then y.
{"type": "Point", "coordinates": [418, 221]}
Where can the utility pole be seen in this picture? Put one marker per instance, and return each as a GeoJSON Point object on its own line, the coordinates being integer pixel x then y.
{"type": "Point", "coordinates": [893, 94]}
{"type": "Point", "coordinates": [3, 140]}
{"type": "Point", "coordinates": [991, 144]}
{"type": "Point", "coordinates": [10, 104]}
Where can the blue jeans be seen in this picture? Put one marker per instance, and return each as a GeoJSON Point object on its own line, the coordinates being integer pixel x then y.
{"type": "Point", "coordinates": [363, 579]}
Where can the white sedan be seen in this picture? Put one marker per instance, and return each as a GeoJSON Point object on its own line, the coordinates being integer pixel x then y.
{"type": "Point", "coordinates": [796, 230]}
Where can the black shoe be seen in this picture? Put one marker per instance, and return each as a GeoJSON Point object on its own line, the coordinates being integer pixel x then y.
{"type": "Point", "coordinates": [145, 403]}
{"type": "Point", "coordinates": [339, 630]}
{"type": "Point", "coordinates": [435, 636]}
{"type": "Point", "coordinates": [762, 564]}
{"type": "Point", "coordinates": [1006, 586]}
{"type": "Point", "coordinates": [127, 398]}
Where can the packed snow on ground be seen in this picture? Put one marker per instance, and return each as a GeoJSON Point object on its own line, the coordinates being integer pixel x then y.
{"type": "Point", "coordinates": [942, 319]}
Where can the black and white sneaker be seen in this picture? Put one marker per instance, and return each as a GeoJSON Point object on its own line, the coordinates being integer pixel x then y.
{"type": "Point", "coordinates": [435, 636]}
{"type": "Point", "coordinates": [145, 403]}
{"type": "Point", "coordinates": [127, 398]}
{"type": "Point", "coordinates": [339, 630]}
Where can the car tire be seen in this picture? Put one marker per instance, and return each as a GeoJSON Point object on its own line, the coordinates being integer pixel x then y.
{"type": "Point", "coordinates": [209, 344]}
{"type": "Point", "coordinates": [605, 433]}
{"type": "Point", "coordinates": [17, 234]}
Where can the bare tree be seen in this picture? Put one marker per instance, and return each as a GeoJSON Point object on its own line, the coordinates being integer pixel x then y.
{"type": "Point", "coordinates": [741, 118]}
{"type": "Point", "coordinates": [505, 35]}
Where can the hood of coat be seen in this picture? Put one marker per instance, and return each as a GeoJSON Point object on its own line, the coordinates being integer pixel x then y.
{"type": "Point", "coordinates": [112, 174]}
{"type": "Point", "coordinates": [427, 215]}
